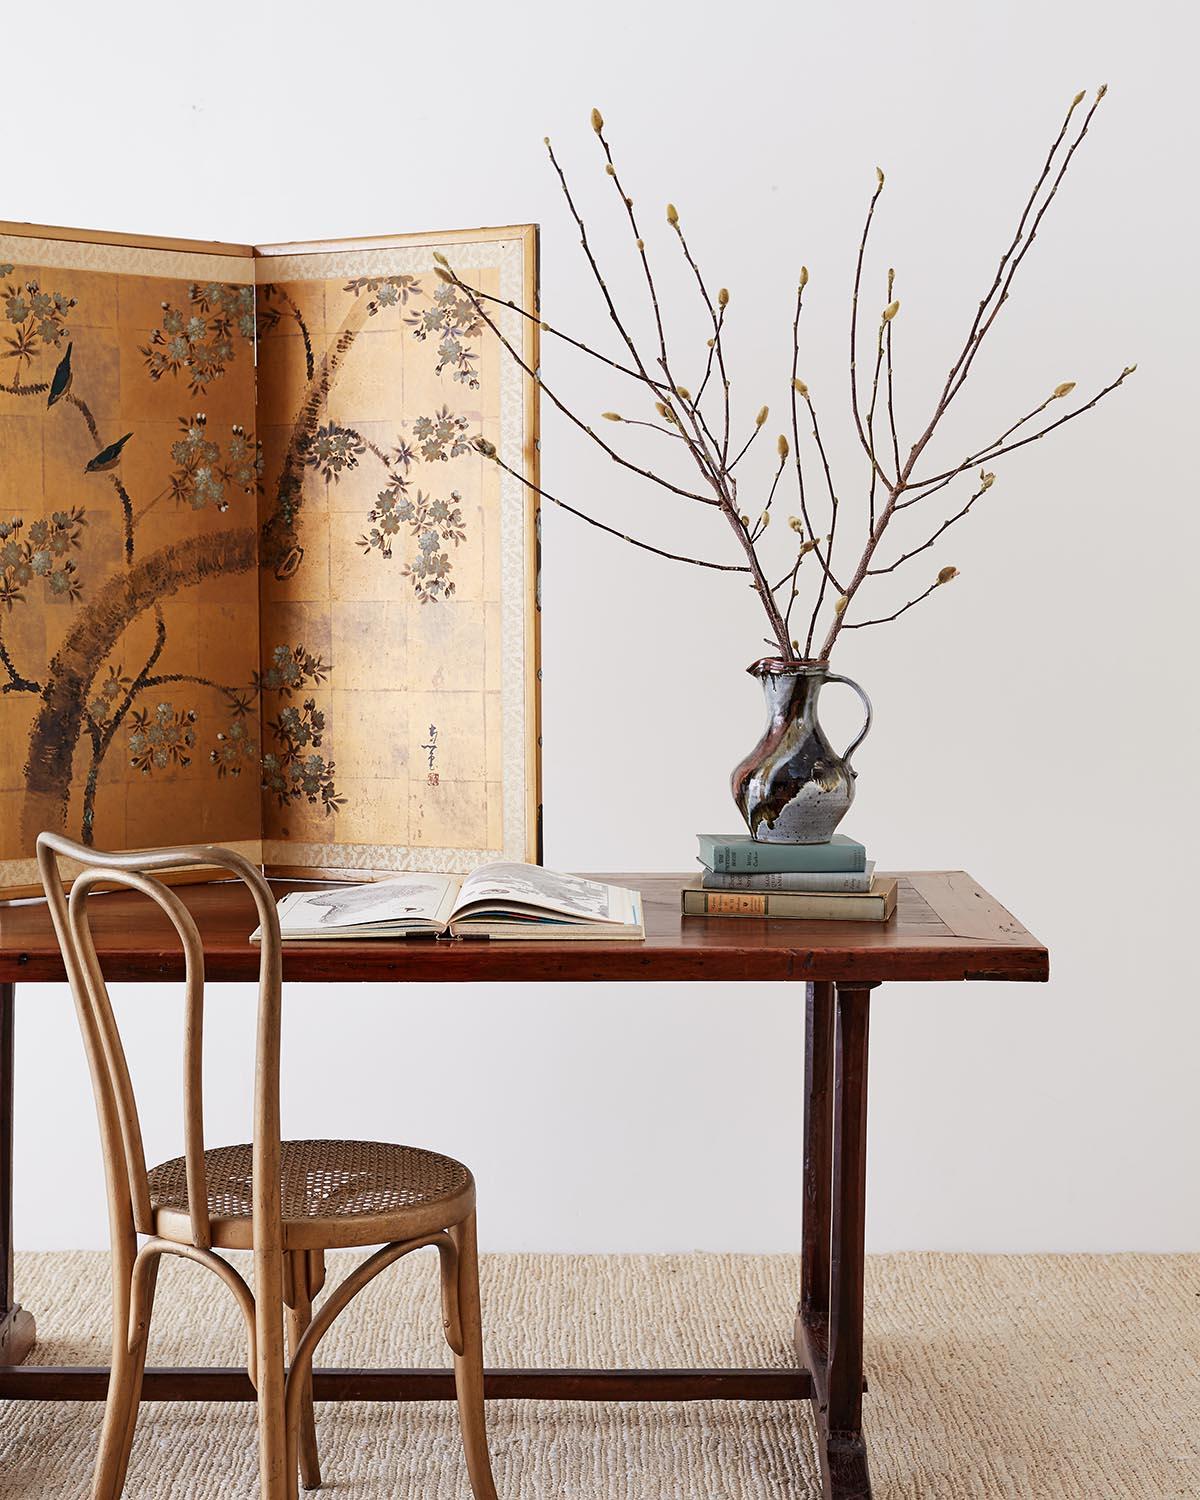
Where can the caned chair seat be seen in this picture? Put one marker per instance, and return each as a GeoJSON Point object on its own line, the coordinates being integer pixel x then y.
{"type": "Point", "coordinates": [334, 1194]}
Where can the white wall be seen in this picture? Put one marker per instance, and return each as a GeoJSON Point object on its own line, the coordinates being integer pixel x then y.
{"type": "Point", "coordinates": [1035, 723]}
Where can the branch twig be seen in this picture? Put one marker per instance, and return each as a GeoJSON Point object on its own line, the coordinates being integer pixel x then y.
{"type": "Point", "coordinates": [985, 484]}
{"type": "Point", "coordinates": [904, 608]}
{"type": "Point", "coordinates": [488, 451]}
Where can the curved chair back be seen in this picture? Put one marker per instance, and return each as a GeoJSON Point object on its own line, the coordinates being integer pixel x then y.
{"type": "Point", "coordinates": [116, 1106]}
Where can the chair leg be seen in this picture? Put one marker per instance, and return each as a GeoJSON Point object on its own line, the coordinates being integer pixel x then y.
{"type": "Point", "coordinates": [468, 1366]}
{"type": "Point", "coordinates": [299, 1316]}
{"type": "Point", "coordinates": [124, 1387]}
{"type": "Point", "coordinates": [276, 1458]}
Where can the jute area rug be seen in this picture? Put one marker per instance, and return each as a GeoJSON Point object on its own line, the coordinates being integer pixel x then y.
{"type": "Point", "coordinates": [990, 1376]}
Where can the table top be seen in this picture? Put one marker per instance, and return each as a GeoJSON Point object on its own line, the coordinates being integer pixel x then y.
{"type": "Point", "coordinates": [945, 927]}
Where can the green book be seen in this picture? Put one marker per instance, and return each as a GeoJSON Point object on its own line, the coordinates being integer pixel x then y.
{"type": "Point", "coordinates": [738, 853]}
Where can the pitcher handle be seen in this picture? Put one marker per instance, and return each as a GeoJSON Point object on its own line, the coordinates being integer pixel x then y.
{"type": "Point", "coordinates": [866, 703]}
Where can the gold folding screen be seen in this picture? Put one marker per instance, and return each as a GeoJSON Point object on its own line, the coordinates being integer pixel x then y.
{"type": "Point", "coordinates": [257, 585]}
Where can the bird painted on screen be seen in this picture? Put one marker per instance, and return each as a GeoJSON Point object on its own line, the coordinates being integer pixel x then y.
{"type": "Point", "coordinates": [60, 384]}
{"type": "Point", "coordinates": [107, 458]}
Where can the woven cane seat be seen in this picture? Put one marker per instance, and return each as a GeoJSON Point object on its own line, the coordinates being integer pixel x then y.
{"type": "Point", "coordinates": [334, 1193]}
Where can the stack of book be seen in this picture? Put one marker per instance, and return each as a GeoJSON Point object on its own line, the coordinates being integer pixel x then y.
{"type": "Point", "coordinates": [819, 882]}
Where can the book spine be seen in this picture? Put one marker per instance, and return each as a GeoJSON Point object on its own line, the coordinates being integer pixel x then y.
{"type": "Point", "coordinates": [749, 858]}
{"type": "Point", "coordinates": [701, 903]}
{"type": "Point", "coordinates": [789, 880]}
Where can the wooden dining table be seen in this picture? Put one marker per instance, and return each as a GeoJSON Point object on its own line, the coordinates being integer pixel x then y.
{"type": "Point", "coordinates": [946, 928]}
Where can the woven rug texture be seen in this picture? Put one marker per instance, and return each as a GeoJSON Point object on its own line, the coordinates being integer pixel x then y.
{"type": "Point", "coordinates": [990, 1376]}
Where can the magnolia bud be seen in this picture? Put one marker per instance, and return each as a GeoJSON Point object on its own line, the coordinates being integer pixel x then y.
{"type": "Point", "coordinates": [839, 608]}
{"type": "Point", "coordinates": [1064, 389]}
{"type": "Point", "coordinates": [440, 271]}
{"type": "Point", "coordinates": [597, 121]}
{"type": "Point", "coordinates": [723, 297]}
{"type": "Point", "coordinates": [946, 575]}
{"type": "Point", "coordinates": [1101, 91]}
{"type": "Point", "coordinates": [612, 416]}
{"type": "Point", "coordinates": [796, 524]}
{"type": "Point", "coordinates": [764, 520]}
{"type": "Point", "coordinates": [440, 258]}
{"type": "Point", "coordinates": [672, 214]}
{"type": "Point", "coordinates": [1078, 97]}
{"type": "Point", "coordinates": [745, 520]}
{"type": "Point", "coordinates": [762, 416]}
{"type": "Point", "coordinates": [803, 275]}
{"type": "Point", "coordinates": [782, 445]}
{"type": "Point", "coordinates": [986, 480]}
{"type": "Point", "coordinates": [890, 311]}
{"type": "Point", "coordinates": [799, 386]}
{"type": "Point", "coordinates": [879, 175]}
{"type": "Point", "coordinates": [610, 169]}
{"type": "Point", "coordinates": [1128, 370]}
{"type": "Point", "coordinates": [487, 449]}
{"type": "Point", "coordinates": [641, 244]}
{"type": "Point", "coordinates": [683, 393]}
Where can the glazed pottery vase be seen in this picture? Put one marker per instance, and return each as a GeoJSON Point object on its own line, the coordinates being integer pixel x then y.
{"type": "Point", "coordinates": [793, 788]}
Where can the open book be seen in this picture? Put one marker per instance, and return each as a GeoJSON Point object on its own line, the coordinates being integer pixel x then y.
{"type": "Point", "coordinates": [498, 900]}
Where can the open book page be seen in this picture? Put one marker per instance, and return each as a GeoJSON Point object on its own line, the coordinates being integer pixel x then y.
{"type": "Point", "coordinates": [411, 900]}
{"type": "Point", "coordinates": [513, 890]}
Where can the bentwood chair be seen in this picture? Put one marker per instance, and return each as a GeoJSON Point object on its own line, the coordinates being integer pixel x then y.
{"type": "Point", "coordinates": [288, 1201]}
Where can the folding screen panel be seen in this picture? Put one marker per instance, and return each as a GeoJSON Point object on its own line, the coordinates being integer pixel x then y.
{"type": "Point", "coordinates": [257, 586]}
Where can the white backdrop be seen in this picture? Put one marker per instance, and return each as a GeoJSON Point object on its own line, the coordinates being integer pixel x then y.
{"type": "Point", "coordinates": [1035, 722]}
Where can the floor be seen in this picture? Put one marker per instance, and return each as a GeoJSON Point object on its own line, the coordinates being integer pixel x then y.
{"type": "Point", "coordinates": [990, 1376]}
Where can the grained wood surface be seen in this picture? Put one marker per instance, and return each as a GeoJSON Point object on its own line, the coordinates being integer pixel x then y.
{"type": "Point", "coordinates": [197, 1383]}
{"type": "Point", "coordinates": [17, 1331]}
{"type": "Point", "coordinates": [946, 927]}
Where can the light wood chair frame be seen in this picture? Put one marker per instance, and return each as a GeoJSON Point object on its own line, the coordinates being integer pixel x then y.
{"type": "Point", "coordinates": [284, 1276]}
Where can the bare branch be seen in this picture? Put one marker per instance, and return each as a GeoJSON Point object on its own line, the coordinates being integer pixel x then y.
{"type": "Point", "coordinates": [833, 511]}
{"type": "Point", "coordinates": [887, 619]}
{"type": "Point", "coordinates": [764, 519]}
{"type": "Point", "coordinates": [858, 270]}
{"type": "Point", "coordinates": [660, 386]}
{"type": "Point", "coordinates": [653, 426]}
{"type": "Point", "coordinates": [876, 471]}
{"type": "Point", "coordinates": [705, 460]}
{"type": "Point", "coordinates": [1000, 447]}
{"type": "Point", "coordinates": [713, 346]}
{"type": "Point", "coordinates": [718, 320]}
{"type": "Point", "coordinates": [758, 427]}
{"type": "Point", "coordinates": [983, 321]}
{"type": "Point", "coordinates": [797, 388]}
{"type": "Point", "coordinates": [986, 480]}
{"type": "Point", "coordinates": [1027, 244]}
{"type": "Point", "coordinates": [1009, 262]}
{"type": "Point", "coordinates": [891, 388]}
{"type": "Point", "coordinates": [488, 451]}
{"type": "Point", "coordinates": [454, 280]}
{"type": "Point", "coordinates": [594, 264]}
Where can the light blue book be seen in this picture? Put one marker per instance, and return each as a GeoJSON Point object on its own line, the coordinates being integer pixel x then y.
{"type": "Point", "coordinates": [738, 853]}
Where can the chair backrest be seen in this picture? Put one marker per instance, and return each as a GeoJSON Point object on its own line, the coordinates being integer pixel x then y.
{"type": "Point", "coordinates": [116, 1106]}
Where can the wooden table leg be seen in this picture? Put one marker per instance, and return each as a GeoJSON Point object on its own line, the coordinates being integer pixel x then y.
{"type": "Point", "coordinates": [818, 1158]}
{"type": "Point", "coordinates": [829, 1321]}
{"type": "Point", "coordinates": [17, 1332]}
